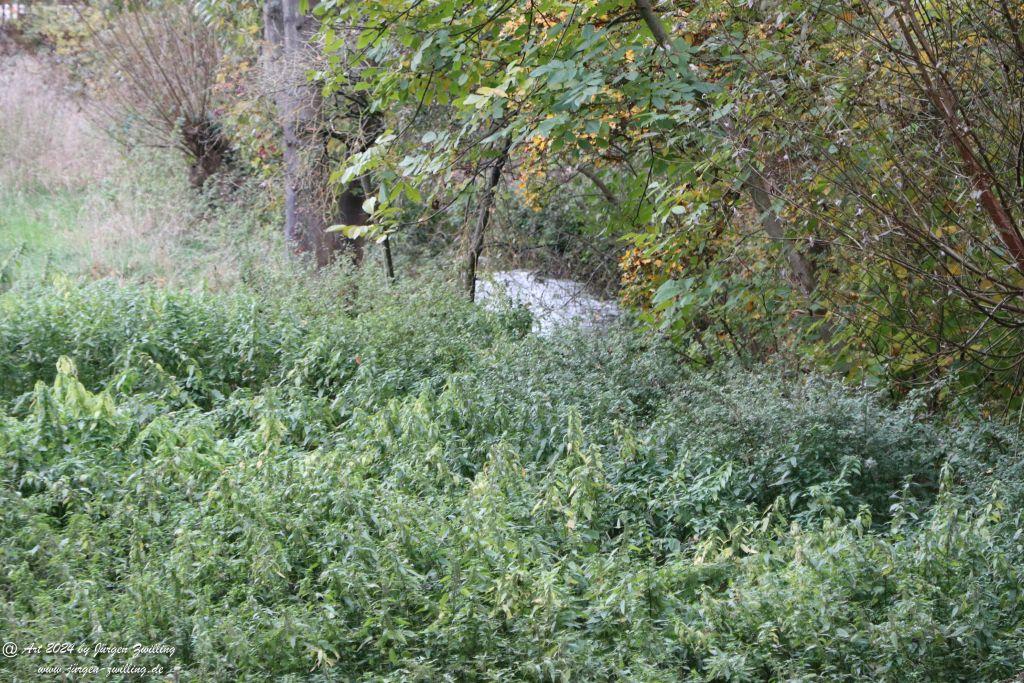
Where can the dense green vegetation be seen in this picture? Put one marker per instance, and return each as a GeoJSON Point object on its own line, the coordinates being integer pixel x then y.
{"type": "Point", "coordinates": [250, 413]}
{"type": "Point", "coordinates": [833, 182]}
{"type": "Point", "coordinates": [412, 488]}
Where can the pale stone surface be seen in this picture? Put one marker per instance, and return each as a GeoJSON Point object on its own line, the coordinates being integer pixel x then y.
{"type": "Point", "coordinates": [553, 303]}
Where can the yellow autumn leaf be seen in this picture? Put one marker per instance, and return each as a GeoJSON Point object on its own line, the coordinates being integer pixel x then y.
{"type": "Point", "coordinates": [492, 92]}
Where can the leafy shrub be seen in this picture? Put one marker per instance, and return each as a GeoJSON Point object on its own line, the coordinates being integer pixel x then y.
{"type": "Point", "coordinates": [107, 329]}
{"type": "Point", "coordinates": [408, 488]}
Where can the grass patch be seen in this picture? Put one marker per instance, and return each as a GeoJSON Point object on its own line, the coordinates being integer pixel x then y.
{"type": "Point", "coordinates": [72, 200]}
{"type": "Point", "coordinates": [36, 232]}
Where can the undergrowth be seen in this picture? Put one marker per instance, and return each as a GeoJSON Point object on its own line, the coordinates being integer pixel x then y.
{"type": "Point", "coordinates": [375, 482]}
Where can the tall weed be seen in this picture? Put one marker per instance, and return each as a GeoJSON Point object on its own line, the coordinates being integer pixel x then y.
{"type": "Point", "coordinates": [401, 486]}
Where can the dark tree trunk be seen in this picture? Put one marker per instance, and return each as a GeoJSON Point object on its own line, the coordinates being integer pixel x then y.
{"type": "Point", "coordinates": [364, 182]}
{"type": "Point", "coordinates": [600, 185]}
{"type": "Point", "coordinates": [308, 198]}
{"type": "Point", "coordinates": [476, 237]}
{"type": "Point", "coordinates": [799, 265]}
{"type": "Point", "coordinates": [389, 263]}
{"type": "Point", "coordinates": [208, 148]}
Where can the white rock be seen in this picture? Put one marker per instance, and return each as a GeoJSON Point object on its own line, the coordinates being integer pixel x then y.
{"type": "Point", "coordinates": [553, 303]}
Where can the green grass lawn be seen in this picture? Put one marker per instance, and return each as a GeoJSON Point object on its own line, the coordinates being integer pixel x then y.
{"type": "Point", "coordinates": [33, 232]}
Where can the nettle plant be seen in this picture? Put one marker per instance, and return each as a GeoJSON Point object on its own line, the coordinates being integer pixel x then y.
{"type": "Point", "coordinates": [414, 488]}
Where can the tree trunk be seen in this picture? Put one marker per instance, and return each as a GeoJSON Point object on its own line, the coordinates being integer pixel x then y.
{"type": "Point", "coordinates": [389, 263]}
{"type": "Point", "coordinates": [476, 238]}
{"type": "Point", "coordinates": [307, 196]}
{"type": "Point", "coordinates": [209, 149]}
{"type": "Point", "coordinates": [772, 225]}
{"type": "Point", "coordinates": [599, 184]}
{"type": "Point", "coordinates": [364, 182]}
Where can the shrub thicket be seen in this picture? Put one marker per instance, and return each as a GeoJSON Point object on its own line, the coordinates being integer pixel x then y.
{"type": "Point", "coordinates": [412, 488]}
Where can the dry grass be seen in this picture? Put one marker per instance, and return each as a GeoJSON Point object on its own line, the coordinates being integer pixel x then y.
{"type": "Point", "coordinates": [46, 142]}
{"type": "Point", "coordinates": [96, 209]}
